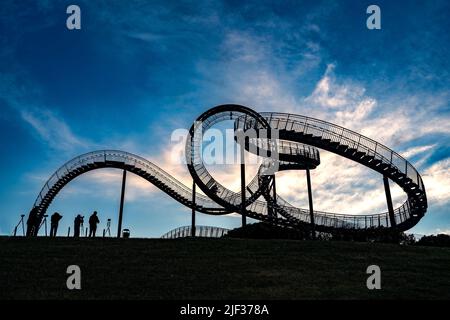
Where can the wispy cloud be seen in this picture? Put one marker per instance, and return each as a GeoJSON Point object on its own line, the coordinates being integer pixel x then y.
{"type": "Point", "coordinates": [53, 130]}
{"type": "Point", "coordinates": [329, 94]}
{"type": "Point", "coordinates": [437, 182]}
{"type": "Point", "coordinates": [440, 231]}
{"type": "Point", "coordinates": [413, 151]}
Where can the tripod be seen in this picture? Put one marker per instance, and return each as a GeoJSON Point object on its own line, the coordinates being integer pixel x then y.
{"type": "Point", "coordinates": [81, 229]}
{"type": "Point", "coordinates": [20, 223]}
{"type": "Point", "coordinates": [108, 230]}
{"type": "Point", "coordinates": [44, 222]}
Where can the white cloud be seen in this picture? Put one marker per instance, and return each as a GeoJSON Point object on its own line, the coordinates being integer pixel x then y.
{"type": "Point", "coordinates": [243, 48]}
{"type": "Point", "coordinates": [341, 185]}
{"type": "Point", "coordinates": [413, 151]}
{"type": "Point", "coordinates": [226, 174]}
{"type": "Point", "coordinates": [53, 130]}
{"type": "Point", "coordinates": [106, 183]}
{"type": "Point", "coordinates": [437, 182]}
{"type": "Point", "coordinates": [440, 231]}
{"type": "Point", "coordinates": [145, 36]}
{"type": "Point", "coordinates": [345, 103]}
{"type": "Point", "coordinates": [329, 94]}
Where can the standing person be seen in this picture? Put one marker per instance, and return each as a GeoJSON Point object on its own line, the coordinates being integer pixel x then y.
{"type": "Point", "coordinates": [76, 226]}
{"type": "Point", "coordinates": [93, 221]}
{"type": "Point", "coordinates": [54, 221]}
{"type": "Point", "coordinates": [31, 222]}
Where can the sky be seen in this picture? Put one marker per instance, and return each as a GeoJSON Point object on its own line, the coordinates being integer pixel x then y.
{"type": "Point", "coordinates": [137, 71]}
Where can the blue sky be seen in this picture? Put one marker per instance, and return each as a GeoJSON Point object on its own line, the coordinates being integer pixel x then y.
{"type": "Point", "coordinates": [139, 70]}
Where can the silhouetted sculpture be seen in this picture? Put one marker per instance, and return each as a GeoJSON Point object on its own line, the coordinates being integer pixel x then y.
{"type": "Point", "coordinates": [32, 222]}
{"type": "Point", "coordinates": [77, 224]}
{"type": "Point", "coordinates": [93, 221]}
{"type": "Point", "coordinates": [303, 137]}
{"type": "Point", "coordinates": [54, 221]}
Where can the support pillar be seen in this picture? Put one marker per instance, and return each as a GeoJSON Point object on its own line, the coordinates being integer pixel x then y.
{"type": "Point", "coordinates": [311, 208]}
{"type": "Point", "coordinates": [122, 200]}
{"type": "Point", "coordinates": [387, 189]}
{"type": "Point", "coordinates": [193, 210]}
{"type": "Point", "coordinates": [274, 196]}
{"type": "Point", "coordinates": [23, 225]}
{"type": "Point", "coordinates": [243, 210]}
{"type": "Point", "coordinates": [274, 190]}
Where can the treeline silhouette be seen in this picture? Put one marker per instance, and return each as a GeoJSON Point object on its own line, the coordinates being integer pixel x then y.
{"type": "Point", "coordinates": [264, 230]}
{"type": "Point", "coordinates": [440, 240]}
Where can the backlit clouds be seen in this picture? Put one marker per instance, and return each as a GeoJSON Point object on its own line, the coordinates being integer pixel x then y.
{"type": "Point", "coordinates": [437, 182]}
{"type": "Point", "coordinates": [329, 94]}
{"type": "Point", "coordinates": [340, 185]}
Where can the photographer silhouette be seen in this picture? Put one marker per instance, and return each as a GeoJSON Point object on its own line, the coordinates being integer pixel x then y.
{"type": "Point", "coordinates": [77, 225]}
{"type": "Point", "coordinates": [93, 221]}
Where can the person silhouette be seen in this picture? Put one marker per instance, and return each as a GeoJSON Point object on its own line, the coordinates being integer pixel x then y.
{"type": "Point", "coordinates": [93, 221]}
{"type": "Point", "coordinates": [76, 226]}
{"type": "Point", "coordinates": [214, 189]}
{"type": "Point", "coordinates": [32, 222]}
{"type": "Point", "coordinates": [54, 221]}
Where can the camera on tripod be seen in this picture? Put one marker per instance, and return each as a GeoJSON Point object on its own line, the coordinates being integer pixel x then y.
{"type": "Point", "coordinates": [20, 223]}
{"type": "Point", "coordinates": [108, 228]}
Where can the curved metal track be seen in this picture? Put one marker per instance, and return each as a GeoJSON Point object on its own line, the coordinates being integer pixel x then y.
{"type": "Point", "coordinates": [294, 147]}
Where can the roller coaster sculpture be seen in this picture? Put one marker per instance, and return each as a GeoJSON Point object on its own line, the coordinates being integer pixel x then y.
{"type": "Point", "coordinates": [295, 147]}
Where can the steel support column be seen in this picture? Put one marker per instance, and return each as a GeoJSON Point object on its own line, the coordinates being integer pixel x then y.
{"type": "Point", "coordinates": [243, 210]}
{"type": "Point", "coordinates": [274, 195]}
{"type": "Point", "coordinates": [122, 200]}
{"type": "Point", "coordinates": [310, 199]}
{"type": "Point", "coordinates": [387, 189]}
{"type": "Point", "coordinates": [193, 210]}
{"type": "Point", "coordinates": [23, 225]}
{"type": "Point", "coordinates": [45, 225]}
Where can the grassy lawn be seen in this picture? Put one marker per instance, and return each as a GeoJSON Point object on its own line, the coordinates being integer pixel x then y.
{"type": "Point", "coordinates": [219, 269]}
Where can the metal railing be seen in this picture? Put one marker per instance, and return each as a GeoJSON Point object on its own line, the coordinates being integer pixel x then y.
{"type": "Point", "coordinates": [335, 133]}
{"type": "Point", "coordinates": [71, 168]}
{"type": "Point", "coordinates": [330, 133]}
{"type": "Point", "coordinates": [200, 231]}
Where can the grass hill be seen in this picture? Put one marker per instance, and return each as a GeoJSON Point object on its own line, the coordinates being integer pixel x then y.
{"type": "Point", "coordinates": [219, 269]}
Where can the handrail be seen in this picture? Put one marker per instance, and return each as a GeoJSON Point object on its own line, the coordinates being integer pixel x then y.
{"type": "Point", "coordinates": [328, 130]}
{"type": "Point", "coordinates": [291, 117]}
{"type": "Point", "coordinates": [200, 231]}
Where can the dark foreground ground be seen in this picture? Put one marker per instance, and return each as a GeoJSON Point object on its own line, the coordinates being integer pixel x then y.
{"type": "Point", "coordinates": [219, 269]}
